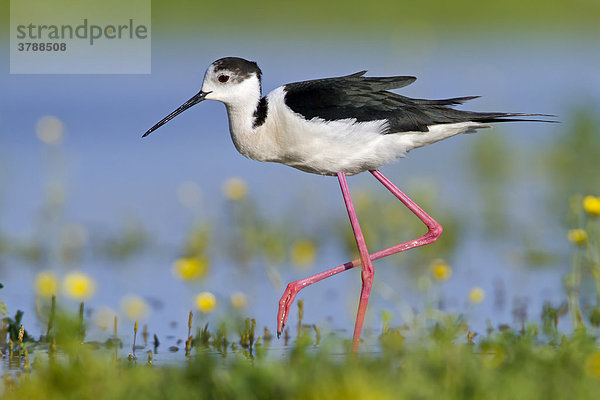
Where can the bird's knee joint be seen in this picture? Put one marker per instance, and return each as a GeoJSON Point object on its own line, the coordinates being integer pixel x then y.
{"type": "Point", "coordinates": [291, 290]}
{"type": "Point", "coordinates": [367, 277]}
{"type": "Point", "coordinates": [436, 231]}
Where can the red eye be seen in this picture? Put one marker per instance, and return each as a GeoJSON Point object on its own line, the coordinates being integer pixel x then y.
{"type": "Point", "coordinates": [223, 78]}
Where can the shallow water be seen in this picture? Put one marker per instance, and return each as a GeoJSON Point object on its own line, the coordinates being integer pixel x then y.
{"type": "Point", "coordinates": [110, 173]}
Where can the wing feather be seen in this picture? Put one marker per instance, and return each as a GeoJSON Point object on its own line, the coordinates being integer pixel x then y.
{"type": "Point", "coordinates": [368, 99]}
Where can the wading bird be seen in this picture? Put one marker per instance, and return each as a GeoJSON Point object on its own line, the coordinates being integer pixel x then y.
{"type": "Point", "coordinates": [336, 126]}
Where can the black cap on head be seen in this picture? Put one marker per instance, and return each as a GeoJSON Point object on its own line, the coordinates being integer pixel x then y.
{"type": "Point", "coordinates": [242, 68]}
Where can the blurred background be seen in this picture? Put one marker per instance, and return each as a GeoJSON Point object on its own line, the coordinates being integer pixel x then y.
{"type": "Point", "coordinates": [152, 223]}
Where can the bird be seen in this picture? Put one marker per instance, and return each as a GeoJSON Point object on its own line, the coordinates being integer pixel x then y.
{"type": "Point", "coordinates": [338, 126]}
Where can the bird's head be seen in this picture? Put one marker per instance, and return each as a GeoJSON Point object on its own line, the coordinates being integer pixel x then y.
{"type": "Point", "coordinates": [230, 80]}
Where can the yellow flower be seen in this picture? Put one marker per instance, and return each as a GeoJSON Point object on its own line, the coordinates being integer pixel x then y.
{"type": "Point", "coordinates": [591, 204]}
{"type": "Point", "coordinates": [46, 284]}
{"type": "Point", "coordinates": [78, 286]}
{"type": "Point", "coordinates": [235, 189]}
{"type": "Point", "coordinates": [440, 270]}
{"type": "Point", "coordinates": [134, 307]}
{"type": "Point", "coordinates": [592, 365]}
{"type": "Point", "coordinates": [239, 300]}
{"type": "Point", "coordinates": [476, 295]}
{"type": "Point", "coordinates": [50, 130]}
{"type": "Point", "coordinates": [303, 252]}
{"type": "Point", "coordinates": [190, 268]}
{"type": "Point", "coordinates": [206, 302]}
{"type": "Point", "coordinates": [577, 236]}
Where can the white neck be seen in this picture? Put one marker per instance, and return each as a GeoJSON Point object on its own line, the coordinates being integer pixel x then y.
{"type": "Point", "coordinates": [241, 119]}
{"type": "Point", "coordinates": [241, 100]}
{"type": "Point", "coordinates": [241, 107]}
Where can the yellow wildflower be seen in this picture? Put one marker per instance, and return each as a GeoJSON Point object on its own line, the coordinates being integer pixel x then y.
{"type": "Point", "coordinates": [134, 307]}
{"type": "Point", "coordinates": [46, 284]}
{"type": "Point", "coordinates": [591, 205]}
{"type": "Point", "coordinates": [239, 300]}
{"type": "Point", "coordinates": [235, 189]}
{"type": "Point", "coordinates": [190, 268]}
{"type": "Point", "coordinates": [440, 270]}
{"type": "Point", "coordinates": [50, 130]}
{"type": "Point", "coordinates": [79, 286]}
{"type": "Point", "coordinates": [206, 302]}
{"type": "Point", "coordinates": [592, 365]}
{"type": "Point", "coordinates": [303, 252]}
{"type": "Point", "coordinates": [577, 236]}
{"type": "Point", "coordinates": [476, 295]}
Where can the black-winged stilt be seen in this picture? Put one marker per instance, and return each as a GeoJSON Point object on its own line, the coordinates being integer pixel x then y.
{"type": "Point", "coordinates": [336, 126]}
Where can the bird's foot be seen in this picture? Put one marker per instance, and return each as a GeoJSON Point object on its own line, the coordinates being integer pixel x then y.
{"type": "Point", "coordinates": [287, 299]}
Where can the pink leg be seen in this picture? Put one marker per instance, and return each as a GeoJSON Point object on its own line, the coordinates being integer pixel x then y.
{"type": "Point", "coordinates": [434, 230]}
{"type": "Point", "coordinates": [367, 264]}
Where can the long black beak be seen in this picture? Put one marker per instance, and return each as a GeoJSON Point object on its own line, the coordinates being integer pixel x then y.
{"type": "Point", "coordinates": [191, 102]}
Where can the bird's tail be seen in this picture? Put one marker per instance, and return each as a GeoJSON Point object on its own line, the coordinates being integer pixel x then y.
{"type": "Point", "coordinates": [491, 117]}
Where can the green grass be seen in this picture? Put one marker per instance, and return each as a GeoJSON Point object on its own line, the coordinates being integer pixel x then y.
{"type": "Point", "coordinates": [441, 363]}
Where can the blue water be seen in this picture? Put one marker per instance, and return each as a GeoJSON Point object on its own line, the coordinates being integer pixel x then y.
{"type": "Point", "coordinates": [111, 173]}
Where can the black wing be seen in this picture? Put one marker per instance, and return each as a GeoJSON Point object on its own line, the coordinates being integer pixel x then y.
{"type": "Point", "coordinates": [368, 99]}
